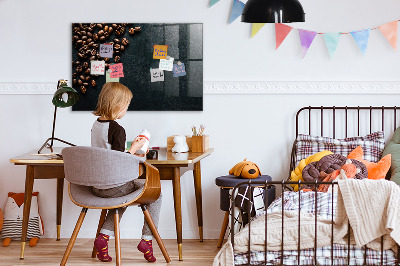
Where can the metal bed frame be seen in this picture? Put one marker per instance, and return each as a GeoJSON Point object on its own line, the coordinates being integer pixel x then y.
{"type": "Point", "coordinates": [283, 184]}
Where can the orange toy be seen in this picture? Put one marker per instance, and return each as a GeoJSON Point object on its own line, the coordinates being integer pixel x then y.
{"type": "Point", "coordinates": [375, 170]}
{"type": "Point", "coordinates": [245, 169]}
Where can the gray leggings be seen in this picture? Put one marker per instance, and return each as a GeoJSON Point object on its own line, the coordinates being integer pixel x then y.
{"type": "Point", "coordinates": [154, 208]}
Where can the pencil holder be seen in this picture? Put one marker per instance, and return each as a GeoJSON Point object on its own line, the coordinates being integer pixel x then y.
{"type": "Point", "coordinates": [200, 143]}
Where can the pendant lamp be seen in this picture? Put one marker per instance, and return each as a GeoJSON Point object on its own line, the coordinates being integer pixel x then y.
{"type": "Point", "coordinates": [63, 97]}
{"type": "Point", "coordinates": [273, 11]}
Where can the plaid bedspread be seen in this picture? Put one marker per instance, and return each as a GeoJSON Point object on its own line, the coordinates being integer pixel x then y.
{"type": "Point", "coordinates": [321, 205]}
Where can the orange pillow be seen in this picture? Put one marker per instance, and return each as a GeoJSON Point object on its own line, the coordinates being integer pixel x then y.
{"type": "Point", "coordinates": [375, 170]}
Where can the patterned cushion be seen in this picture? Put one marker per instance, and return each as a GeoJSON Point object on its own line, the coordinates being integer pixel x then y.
{"type": "Point", "coordinates": [372, 144]}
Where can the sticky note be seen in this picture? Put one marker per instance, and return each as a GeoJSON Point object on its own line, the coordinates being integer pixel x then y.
{"type": "Point", "coordinates": [156, 75]}
{"type": "Point", "coordinates": [166, 64]}
{"type": "Point", "coordinates": [160, 51]}
{"type": "Point", "coordinates": [179, 70]}
{"type": "Point", "coordinates": [109, 79]}
{"type": "Point", "coordinates": [97, 67]}
{"type": "Point", "coordinates": [117, 70]}
{"type": "Point", "coordinates": [106, 50]}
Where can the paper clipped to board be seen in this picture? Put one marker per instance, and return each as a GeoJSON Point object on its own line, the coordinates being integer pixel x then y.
{"type": "Point", "coordinates": [166, 64]}
{"type": "Point", "coordinates": [106, 50]}
{"type": "Point", "coordinates": [97, 67]}
{"type": "Point", "coordinates": [109, 79]}
{"type": "Point", "coordinates": [117, 70]}
{"type": "Point", "coordinates": [179, 70]}
{"type": "Point", "coordinates": [160, 51]}
{"type": "Point", "coordinates": [156, 75]}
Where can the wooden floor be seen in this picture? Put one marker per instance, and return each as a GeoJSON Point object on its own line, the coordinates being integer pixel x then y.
{"type": "Point", "coordinates": [50, 252]}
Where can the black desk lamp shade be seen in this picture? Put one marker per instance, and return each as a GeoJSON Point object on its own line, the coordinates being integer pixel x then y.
{"type": "Point", "coordinates": [64, 97]}
{"type": "Point", "coordinates": [273, 11]}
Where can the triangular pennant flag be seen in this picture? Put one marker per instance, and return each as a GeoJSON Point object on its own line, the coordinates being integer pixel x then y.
{"type": "Point", "coordinates": [361, 37]}
{"type": "Point", "coordinates": [237, 9]}
{"type": "Point", "coordinates": [306, 39]}
{"type": "Point", "coordinates": [213, 2]}
{"type": "Point", "coordinates": [332, 41]}
{"type": "Point", "coordinates": [281, 31]}
{"type": "Point", "coordinates": [256, 28]}
{"type": "Point", "coordinates": [390, 32]}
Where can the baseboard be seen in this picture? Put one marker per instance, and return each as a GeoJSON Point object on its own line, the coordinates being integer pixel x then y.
{"type": "Point", "coordinates": [245, 87]}
{"type": "Point", "coordinates": [135, 233]}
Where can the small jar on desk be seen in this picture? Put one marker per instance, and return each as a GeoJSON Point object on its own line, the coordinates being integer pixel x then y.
{"type": "Point", "coordinates": [228, 182]}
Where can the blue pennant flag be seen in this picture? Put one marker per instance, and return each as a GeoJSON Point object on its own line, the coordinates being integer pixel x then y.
{"type": "Point", "coordinates": [361, 37]}
{"type": "Point", "coordinates": [213, 2]}
{"type": "Point", "coordinates": [237, 9]}
{"type": "Point", "coordinates": [332, 41]}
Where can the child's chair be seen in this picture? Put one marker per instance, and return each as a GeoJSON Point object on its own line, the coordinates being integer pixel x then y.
{"type": "Point", "coordinates": [85, 167]}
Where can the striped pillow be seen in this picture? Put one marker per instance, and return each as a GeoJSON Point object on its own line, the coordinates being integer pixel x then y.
{"type": "Point", "coordinates": [372, 145]}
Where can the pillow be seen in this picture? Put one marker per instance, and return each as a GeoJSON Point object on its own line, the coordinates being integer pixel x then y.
{"type": "Point", "coordinates": [393, 148]}
{"type": "Point", "coordinates": [375, 170]}
{"type": "Point", "coordinates": [296, 174]}
{"type": "Point", "coordinates": [372, 144]}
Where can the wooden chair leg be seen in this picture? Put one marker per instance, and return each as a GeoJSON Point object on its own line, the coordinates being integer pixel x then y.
{"type": "Point", "coordinates": [73, 237]}
{"type": "Point", "coordinates": [117, 238]}
{"type": "Point", "coordinates": [154, 230]}
{"type": "Point", "coordinates": [101, 222]}
{"type": "Point", "coordinates": [223, 229]}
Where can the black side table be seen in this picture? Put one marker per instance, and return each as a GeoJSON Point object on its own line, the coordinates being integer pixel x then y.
{"type": "Point", "coordinates": [226, 183]}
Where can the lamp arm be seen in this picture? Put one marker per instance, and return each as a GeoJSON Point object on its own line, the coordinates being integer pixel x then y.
{"type": "Point", "coordinates": [54, 126]}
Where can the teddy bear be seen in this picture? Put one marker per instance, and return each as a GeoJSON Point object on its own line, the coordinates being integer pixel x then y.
{"type": "Point", "coordinates": [13, 215]}
{"type": "Point", "coordinates": [180, 144]}
{"type": "Point", "coordinates": [245, 169]}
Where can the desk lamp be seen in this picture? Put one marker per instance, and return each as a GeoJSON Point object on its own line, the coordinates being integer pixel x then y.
{"type": "Point", "coordinates": [273, 11]}
{"type": "Point", "coordinates": [63, 97]}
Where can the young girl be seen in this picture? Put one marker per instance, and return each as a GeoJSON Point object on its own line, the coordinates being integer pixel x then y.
{"type": "Point", "coordinates": [112, 104]}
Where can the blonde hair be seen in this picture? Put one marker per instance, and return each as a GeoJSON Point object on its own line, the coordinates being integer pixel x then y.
{"type": "Point", "coordinates": [112, 99]}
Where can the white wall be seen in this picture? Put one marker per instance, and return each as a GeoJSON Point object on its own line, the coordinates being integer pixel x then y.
{"type": "Point", "coordinates": [35, 46]}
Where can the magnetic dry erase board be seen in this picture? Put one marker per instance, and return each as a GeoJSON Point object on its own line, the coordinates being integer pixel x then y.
{"type": "Point", "coordinates": [142, 48]}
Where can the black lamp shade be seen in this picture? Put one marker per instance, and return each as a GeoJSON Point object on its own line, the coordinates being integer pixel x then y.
{"type": "Point", "coordinates": [273, 11]}
{"type": "Point", "coordinates": [60, 99]}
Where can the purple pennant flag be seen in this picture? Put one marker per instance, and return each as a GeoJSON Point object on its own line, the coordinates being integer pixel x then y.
{"type": "Point", "coordinates": [237, 9]}
{"type": "Point", "coordinates": [306, 39]}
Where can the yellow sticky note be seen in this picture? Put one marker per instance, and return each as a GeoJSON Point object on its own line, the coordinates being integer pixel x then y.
{"type": "Point", "coordinates": [160, 51]}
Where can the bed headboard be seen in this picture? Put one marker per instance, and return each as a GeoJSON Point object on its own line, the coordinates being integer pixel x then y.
{"type": "Point", "coordinates": [344, 121]}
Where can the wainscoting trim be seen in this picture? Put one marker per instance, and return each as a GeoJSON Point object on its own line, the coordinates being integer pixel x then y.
{"type": "Point", "coordinates": [246, 87]}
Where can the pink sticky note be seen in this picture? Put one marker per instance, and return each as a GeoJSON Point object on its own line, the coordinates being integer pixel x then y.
{"type": "Point", "coordinates": [117, 71]}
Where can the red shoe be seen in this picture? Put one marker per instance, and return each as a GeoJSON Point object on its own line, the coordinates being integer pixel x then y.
{"type": "Point", "coordinates": [146, 247]}
{"type": "Point", "coordinates": [101, 245]}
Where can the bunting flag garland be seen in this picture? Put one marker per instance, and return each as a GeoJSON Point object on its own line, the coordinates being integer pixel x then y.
{"type": "Point", "coordinates": [332, 41]}
{"type": "Point", "coordinates": [361, 37]}
{"type": "Point", "coordinates": [256, 28]}
{"type": "Point", "coordinates": [237, 9]}
{"type": "Point", "coordinates": [306, 39]}
{"type": "Point", "coordinates": [389, 30]}
{"type": "Point", "coordinates": [213, 2]}
{"type": "Point", "coordinates": [281, 31]}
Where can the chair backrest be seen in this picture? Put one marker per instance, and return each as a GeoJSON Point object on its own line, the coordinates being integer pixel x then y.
{"type": "Point", "coordinates": [92, 166]}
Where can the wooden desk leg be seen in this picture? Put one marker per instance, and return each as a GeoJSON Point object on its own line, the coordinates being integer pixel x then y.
{"type": "Point", "coordinates": [60, 190]}
{"type": "Point", "coordinates": [199, 204]}
{"type": "Point", "coordinates": [176, 183]}
{"type": "Point", "coordinates": [27, 206]}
